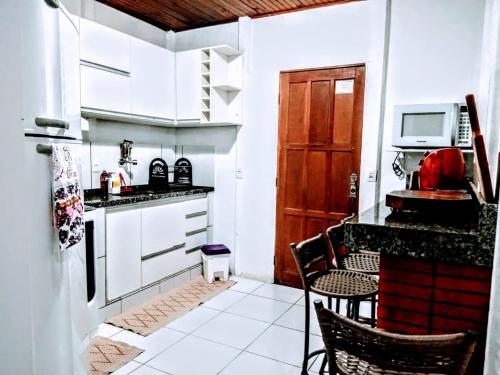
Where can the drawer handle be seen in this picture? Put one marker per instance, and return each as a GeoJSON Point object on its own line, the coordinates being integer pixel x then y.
{"type": "Point", "coordinates": [196, 214]}
{"type": "Point", "coordinates": [197, 248]}
{"type": "Point", "coordinates": [154, 255]}
{"type": "Point", "coordinates": [51, 123]}
{"type": "Point", "coordinates": [193, 232]}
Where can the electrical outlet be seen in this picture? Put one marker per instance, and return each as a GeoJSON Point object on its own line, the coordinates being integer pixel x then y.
{"type": "Point", "coordinates": [372, 176]}
{"type": "Point", "coordinates": [239, 173]}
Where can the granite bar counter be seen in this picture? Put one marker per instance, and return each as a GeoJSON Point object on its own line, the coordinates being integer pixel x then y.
{"type": "Point", "coordinates": [470, 241]}
{"type": "Point", "coordinates": [92, 197]}
{"type": "Point", "coordinates": [435, 271]}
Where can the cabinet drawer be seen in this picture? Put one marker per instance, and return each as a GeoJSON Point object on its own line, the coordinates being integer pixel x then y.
{"type": "Point", "coordinates": [195, 206]}
{"type": "Point", "coordinates": [194, 223]}
{"type": "Point", "coordinates": [158, 267]}
{"type": "Point", "coordinates": [192, 258]}
{"type": "Point", "coordinates": [162, 227]}
{"type": "Point", "coordinates": [196, 240]}
{"type": "Point", "coordinates": [192, 248]}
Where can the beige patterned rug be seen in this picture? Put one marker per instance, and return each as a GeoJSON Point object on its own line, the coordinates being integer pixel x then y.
{"type": "Point", "coordinates": [107, 355]}
{"type": "Point", "coordinates": [151, 316]}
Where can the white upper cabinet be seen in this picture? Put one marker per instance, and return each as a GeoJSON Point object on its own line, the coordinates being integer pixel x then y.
{"type": "Point", "coordinates": [104, 90]}
{"type": "Point", "coordinates": [104, 46]}
{"type": "Point", "coordinates": [188, 84]}
{"type": "Point", "coordinates": [152, 79]}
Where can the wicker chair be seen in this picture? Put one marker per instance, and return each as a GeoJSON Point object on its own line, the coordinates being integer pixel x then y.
{"type": "Point", "coordinates": [361, 251]}
{"type": "Point", "coordinates": [366, 262]}
{"type": "Point", "coordinates": [317, 275]}
{"type": "Point", "coordinates": [354, 348]}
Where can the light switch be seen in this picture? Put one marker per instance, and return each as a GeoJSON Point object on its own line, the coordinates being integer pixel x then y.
{"type": "Point", "coordinates": [96, 166]}
{"type": "Point", "coordinates": [372, 176]}
{"type": "Point", "coordinates": [239, 173]}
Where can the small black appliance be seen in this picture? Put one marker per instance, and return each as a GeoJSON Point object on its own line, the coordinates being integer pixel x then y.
{"type": "Point", "coordinates": [183, 172]}
{"type": "Point", "coordinates": [158, 174]}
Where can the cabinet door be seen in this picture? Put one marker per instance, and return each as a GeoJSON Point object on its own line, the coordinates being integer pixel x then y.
{"type": "Point", "coordinates": [123, 252]}
{"type": "Point", "coordinates": [104, 46]}
{"type": "Point", "coordinates": [188, 85]}
{"type": "Point", "coordinates": [163, 227]}
{"type": "Point", "coordinates": [152, 78]}
{"type": "Point", "coordinates": [104, 90]}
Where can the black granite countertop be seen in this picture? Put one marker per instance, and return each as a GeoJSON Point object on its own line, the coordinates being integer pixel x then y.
{"type": "Point", "coordinates": [466, 241]}
{"type": "Point", "coordinates": [92, 197]}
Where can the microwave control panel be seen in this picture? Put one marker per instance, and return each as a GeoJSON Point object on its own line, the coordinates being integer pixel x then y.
{"type": "Point", "coordinates": [464, 134]}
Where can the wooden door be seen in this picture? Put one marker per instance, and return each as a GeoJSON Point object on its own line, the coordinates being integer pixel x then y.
{"type": "Point", "coordinates": [319, 147]}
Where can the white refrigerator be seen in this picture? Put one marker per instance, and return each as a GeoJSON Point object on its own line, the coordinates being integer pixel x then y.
{"type": "Point", "coordinates": [45, 88]}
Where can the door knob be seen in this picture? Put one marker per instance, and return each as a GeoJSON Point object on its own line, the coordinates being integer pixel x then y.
{"type": "Point", "coordinates": [353, 187]}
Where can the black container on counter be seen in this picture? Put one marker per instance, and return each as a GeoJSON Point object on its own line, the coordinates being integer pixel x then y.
{"type": "Point", "coordinates": [183, 172]}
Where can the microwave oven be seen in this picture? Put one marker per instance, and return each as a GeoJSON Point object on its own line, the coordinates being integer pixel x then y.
{"type": "Point", "coordinates": [431, 125]}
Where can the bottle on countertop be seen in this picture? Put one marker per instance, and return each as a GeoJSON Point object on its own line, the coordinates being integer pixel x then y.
{"type": "Point", "coordinates": [103, 179]}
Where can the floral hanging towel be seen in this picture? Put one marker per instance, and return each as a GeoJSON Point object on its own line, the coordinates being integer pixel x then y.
{"type": "Point", "coordinates": [68, 206]}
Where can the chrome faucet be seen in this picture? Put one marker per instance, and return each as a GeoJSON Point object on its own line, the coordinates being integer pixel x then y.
{"type": "Point", "coordinates": [126, 153]}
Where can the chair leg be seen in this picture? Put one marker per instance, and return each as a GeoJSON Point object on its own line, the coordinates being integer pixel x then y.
{"type": "Point", "coordinates": [337, 305]}
{"type": "Point", "coordinates": [329, 303]}
{"type": "Point", "coordinates": [323, 364]}
{"type": "Point", "coordinates": [305, 361]}
{"type": "Point", "coordinates": [355, 308]}
{"type": "Point", "coordinates": [374, 304]}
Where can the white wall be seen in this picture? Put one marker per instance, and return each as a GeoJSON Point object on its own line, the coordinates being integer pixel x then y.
{"type": "Point", "coordinates": [489, 89]}
{"type": "Point", "coordinates": [323, 37]}
{"type": "Point", "coordinates": [434, 57]}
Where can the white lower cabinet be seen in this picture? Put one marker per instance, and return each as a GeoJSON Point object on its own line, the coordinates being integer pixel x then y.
{"type": "Point", "coordinates": [123, 252]}
{"type": "Point", "coordinates": [162, 227]}
{"type": "Point", "coordinates": [150, 242]}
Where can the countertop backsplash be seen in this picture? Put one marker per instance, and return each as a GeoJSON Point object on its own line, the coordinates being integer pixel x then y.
{"type": "Point", "coordinates": [97, 156]}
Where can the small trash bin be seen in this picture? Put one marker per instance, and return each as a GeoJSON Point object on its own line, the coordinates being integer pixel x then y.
{"type": "Point", "coordinates": [215, 262]}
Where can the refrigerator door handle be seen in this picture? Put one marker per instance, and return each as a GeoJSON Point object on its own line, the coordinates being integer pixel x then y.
{"type": "Point", "coordinates": [44, 149]}
{"type": "Point", "coordinates": [51, 123]}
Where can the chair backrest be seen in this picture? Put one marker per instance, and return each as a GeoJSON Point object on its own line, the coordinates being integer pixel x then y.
{"type": "Point", "coordinates": [311, 255]}
{"type": "Point", "coordinates": [335, 234]}
{"type": "Point", "coordinates": [384, 351]}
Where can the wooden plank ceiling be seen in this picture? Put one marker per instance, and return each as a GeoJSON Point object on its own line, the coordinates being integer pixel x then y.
{"type": "Point", "coordinates": [180, 15]}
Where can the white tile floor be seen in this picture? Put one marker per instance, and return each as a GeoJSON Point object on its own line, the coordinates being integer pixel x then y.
{"type": "Point", "coordinates": [252, 328]}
